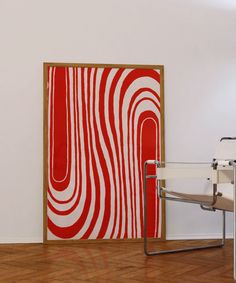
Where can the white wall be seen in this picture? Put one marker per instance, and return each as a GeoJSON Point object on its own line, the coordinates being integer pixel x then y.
{"type": "Point", "coordinates": [194, 39]}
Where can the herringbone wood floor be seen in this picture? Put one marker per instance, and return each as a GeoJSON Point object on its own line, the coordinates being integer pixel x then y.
{"type": "Point", "coordinates": [113, 263]}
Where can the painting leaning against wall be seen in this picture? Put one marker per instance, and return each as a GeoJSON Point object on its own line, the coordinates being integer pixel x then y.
{"type": "Point", "coordinates": [101, 122]}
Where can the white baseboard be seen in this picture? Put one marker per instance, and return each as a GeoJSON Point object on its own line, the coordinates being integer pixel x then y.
{"type": "Point", "coordinates": [21, 240]}
{"type": "Point", "coordinates": [25, 240]}
{"type": "Point", "coordinates": [197, 236]}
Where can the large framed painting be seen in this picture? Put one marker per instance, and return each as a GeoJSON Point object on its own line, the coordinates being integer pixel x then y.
{"type": "Point", "coordinates": [101, 122]}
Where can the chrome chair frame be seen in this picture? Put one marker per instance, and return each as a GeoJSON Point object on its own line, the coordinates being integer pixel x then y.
{"type": "Point", "coordinates": [203, 205]}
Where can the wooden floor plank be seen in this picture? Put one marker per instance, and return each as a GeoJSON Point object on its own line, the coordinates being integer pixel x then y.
{"type": "Point", "coordinates": [114, 263]}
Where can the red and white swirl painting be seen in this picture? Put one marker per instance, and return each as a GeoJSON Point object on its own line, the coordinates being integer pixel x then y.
{"type": "Point", "coordinates": [101, 123]}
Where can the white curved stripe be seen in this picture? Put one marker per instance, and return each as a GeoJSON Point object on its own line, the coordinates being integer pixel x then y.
{"type": "Point", "coordinates": [136, 85]}
{"type": "Point", "coordinates": [106, 153]}
{"type": "Point", "coordinates": [68, 220]}
{"type": "Point", "coordinates": [81, 150]}
{"type": "Point", "coordinates": [115, 157]}
{"type": "Point", "coordinates": [107, 160]}
{"type": "Point", "coordinates": [116, 105]}
{"type": "Point", "coordinates": [156, 157]}
{"type": "Point", "coordinates": [137, 166]}
{"type": "Point", "coordinates": [95, 96]}
{"type": "Point", "coordinates": [90, 214]}
{"type": "Point", "coordinates": [51, 236]}
{"type": "Point", "coordinates": [50, 74]}
{"type": "Point", "coordinates": [140, 109]}
{"type": "Point", "coordinates": [132, 151]}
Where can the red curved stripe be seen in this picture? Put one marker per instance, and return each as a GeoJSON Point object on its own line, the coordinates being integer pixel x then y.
{"type": "Point", "coordinates": [147, 131]}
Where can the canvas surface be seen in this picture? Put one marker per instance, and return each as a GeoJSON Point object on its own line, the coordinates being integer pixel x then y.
{"type": "Point", "coordinates": [101, 124]}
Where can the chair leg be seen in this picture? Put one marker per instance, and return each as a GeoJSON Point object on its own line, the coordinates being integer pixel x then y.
{"type": "Point", "coordinates": [151, 253]}
{"type": "Point", "coordinates": [218, 245]}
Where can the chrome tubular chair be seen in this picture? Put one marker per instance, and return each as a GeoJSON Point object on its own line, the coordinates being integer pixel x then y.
{"type": "Point", "coordinates": [222, 170]}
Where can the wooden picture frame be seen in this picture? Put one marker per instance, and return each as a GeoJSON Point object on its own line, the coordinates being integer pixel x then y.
{"type": "Point", "coordinates": [90, 110]}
